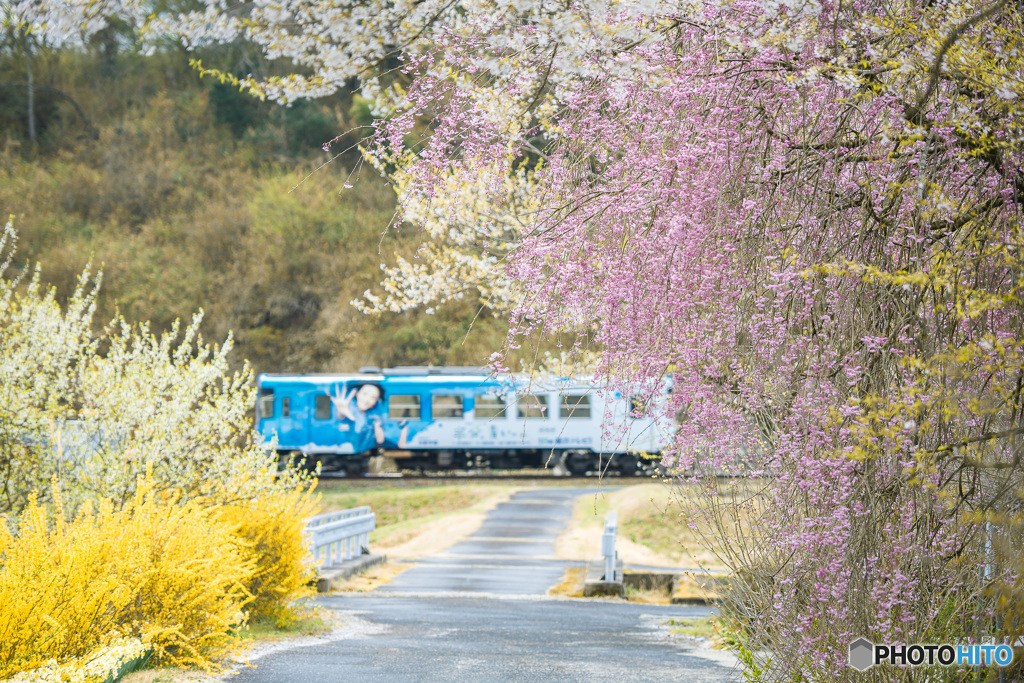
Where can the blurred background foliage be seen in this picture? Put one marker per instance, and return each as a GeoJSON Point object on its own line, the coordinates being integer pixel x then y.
{"type": "Point", "coordinates": [179, 189]}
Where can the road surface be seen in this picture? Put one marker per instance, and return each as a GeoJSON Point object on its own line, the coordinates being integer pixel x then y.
{"type": "Point", "coordinates": [512, 553]}
{"type": "Point", "coordinates": [479, 612]}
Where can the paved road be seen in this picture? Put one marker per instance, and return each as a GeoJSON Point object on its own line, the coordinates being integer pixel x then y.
{"type": "Point", "coordinates": [474, 639]}
{"type": "Point", "coordinates": [479, 612]}
{"type": "Point", "coordinates": [511, 553]}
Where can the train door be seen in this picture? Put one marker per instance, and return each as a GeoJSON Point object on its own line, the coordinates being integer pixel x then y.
{"type": "Point", "coordinates": [293, 423]}
{"type": "Point", "coordinates": [323, 428]}
{"type": "Point", "coordinates": [534, 420]}
{"type": "Point", "coordinates": [266, 412]}
{"type": "Point", "coordinates": [448, 407]}
{"type": "Point", "coordinates": [491, 414]}
{"type": "Point", "coordinates": [648, 429]}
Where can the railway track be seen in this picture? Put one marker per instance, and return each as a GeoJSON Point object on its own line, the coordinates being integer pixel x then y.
{"type": "Point", "coordinates": [407, 478]}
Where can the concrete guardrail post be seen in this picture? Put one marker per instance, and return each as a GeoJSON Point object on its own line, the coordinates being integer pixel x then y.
{"type": "Point", "coordinates": [339, 544]}
{"type": "Point", "coordinates": [336, 537]}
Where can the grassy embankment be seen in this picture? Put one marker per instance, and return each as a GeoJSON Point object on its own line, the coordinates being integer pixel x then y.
{"type": "Point", "coordinates": [652, 530]}
{"type": "Point", "coordinates": [657, 527]}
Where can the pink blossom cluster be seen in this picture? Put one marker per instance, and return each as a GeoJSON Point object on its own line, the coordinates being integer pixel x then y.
{"type": "Point", "coordinates": [802, 213]}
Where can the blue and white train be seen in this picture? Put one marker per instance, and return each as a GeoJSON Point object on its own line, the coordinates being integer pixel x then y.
{"type": "Point", "coordinates": [439, 418]}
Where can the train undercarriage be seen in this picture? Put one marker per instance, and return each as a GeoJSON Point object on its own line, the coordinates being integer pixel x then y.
{"type": "Point", "coordinates": [567, 462]}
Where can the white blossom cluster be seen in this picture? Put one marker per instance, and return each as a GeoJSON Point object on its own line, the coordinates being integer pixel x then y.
{"type": "Point", "coordinates": [468, 232]}
{"type": "Point", "coordinates": [338, 41]}
{"type": "Point", "coordinates": [95, 413]}
{"type": "Point", "coordinates": [70, 22]}
{"type": "Point", "coordinates": [97, 667]}
{"type": "Point", "coordinates": [41, 350]}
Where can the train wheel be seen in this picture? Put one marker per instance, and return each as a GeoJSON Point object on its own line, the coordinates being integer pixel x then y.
{"type": "Point", "coordinates": [354, 467]}
{"type": "Point", "coordinates": [557, 464]}
{"type": "Point", "coordinates": [627, 465]}
{"type": "Point", "coordinates": [580, 462]}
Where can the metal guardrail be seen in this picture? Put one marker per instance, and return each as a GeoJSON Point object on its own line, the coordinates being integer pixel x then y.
{"type": "Point", "coordinates": [334, 537]}
{"type": "Point", "coordinates": [611, 530]}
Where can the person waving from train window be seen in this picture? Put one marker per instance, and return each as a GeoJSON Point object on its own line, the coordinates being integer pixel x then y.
{"type": "Point", "coordinates": [360, 406]}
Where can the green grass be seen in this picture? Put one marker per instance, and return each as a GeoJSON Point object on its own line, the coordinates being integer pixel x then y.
{"type": "Point", "coordinates": [647, 522]}
{"type": "Point", "coordinates": [593, 509]}
{"type": "Point", "coordinates": [701, 627]}
{"type": "Point", "coordinates": [655, 516]}
{"type": "Point", "coordinates": [650, 596]}
{"type": "Point", "coordinates": [304, 622]}
{"type": "Point", "coordinates": [651, 527]}
{"type": "Point", "coordinates": [402, 508]}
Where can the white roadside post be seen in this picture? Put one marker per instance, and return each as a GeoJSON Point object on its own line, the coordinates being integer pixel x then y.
{"type": "Point", "coordinates": [611, 528]}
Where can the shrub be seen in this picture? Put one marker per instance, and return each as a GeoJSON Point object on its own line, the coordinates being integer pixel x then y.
{"type": "Point", "coordinates": [189, 589]}
{"type": "Point", "coordinates": [169, 574]}
{"type": "Point", "coordinates": [271, 527]}
{"type": "Point", "coordinates": [97, 412]}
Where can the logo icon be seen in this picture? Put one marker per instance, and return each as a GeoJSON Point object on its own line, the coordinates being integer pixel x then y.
{"type": "Point", "coordinates": [862, 654]}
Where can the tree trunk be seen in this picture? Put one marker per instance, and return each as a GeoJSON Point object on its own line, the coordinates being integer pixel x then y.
{"type": "Point", "coordinates": [31, 90]}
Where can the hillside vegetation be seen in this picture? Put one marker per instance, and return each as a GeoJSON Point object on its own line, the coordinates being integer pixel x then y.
{"type": "Point", "coordinates": [179, 188]}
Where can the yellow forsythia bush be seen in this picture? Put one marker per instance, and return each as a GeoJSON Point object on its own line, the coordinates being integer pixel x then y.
{"type": "Point", "coordinates": [171, 575]}
{"type": "Point", "coordinates": [102, 665]}
{"type": "Point", "coordinates": [271, 527]}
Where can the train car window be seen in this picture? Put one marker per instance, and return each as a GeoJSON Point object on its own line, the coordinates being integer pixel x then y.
{"type": "Point", "coordinates": [286, 407]}
{"type": "Point", "coordinates": [637, 407]}
{"type": "Point", "coordinates": [575, 407]}
{"type": "Point", "coordinates": [266, 403]}
{"type": "Point", "coordinates": [532, 406]}
{"type": "Point", "coordinates": [404, 407]}
{"type": "Point", "coordinates": [443, 406]}
{"type": "Point", "coordinates": [323, 407]}
{"type": "Point", "coordinates": [489, 406]}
